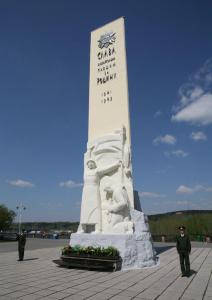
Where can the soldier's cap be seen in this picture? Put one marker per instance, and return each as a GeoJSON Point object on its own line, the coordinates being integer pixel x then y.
{"type": "Point", "coordinates": [181, 227]}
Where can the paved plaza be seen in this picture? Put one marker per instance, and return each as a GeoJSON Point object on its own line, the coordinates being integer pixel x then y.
{"type": "Point", "coordinates": [37, 277]}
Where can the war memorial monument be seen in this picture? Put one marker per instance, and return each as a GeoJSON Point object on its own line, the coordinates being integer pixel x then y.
{"type": "Point", "coordinates": [110, 214]}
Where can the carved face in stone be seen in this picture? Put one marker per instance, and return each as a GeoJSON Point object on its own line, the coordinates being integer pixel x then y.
{"type": "Point", "coordinates": [91, 164]}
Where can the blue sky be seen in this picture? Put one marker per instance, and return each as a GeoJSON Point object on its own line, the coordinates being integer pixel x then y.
{"type": "Point", "coordinates": [44, 75]}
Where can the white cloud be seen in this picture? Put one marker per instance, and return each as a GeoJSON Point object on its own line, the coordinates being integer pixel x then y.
{"type": "Point", "coordinates": [190, 203]}
{"type": "Point", "coordinates": [155, 206]}
{"type": "Point", "coordinates": [189, 93]}
{"type": "Point", "coordinates": [196, 98]}
{"type": "Point", "coordinates": [150, 195]}
{"type": "Point", "coordinates": [70, 184]}
{"type": "Point", "coordinates": [178, 153]}
{"type": "Point", "coordinates": [21, 183]}
{"type": "Point", "coordinates": [207, 189]}
{"type": "Point", "coordinates": [182, 189]}
{"type": "Point", "coordinates": [204, 74]}
{"type": "Point", "coordinates": [196, 93]}
{"type": "Point", "coordinates": [198, 112]}
{"type": "Point", "coordinates": [166, 139]}
{"type": "Point", "coordinates": [180, 202]}
{"type": "Point", "coordinates": [198, 136]}
{"type": "Point", "coordinates": [157, 114]}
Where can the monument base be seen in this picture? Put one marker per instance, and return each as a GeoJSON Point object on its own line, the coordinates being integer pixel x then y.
{"type": "Point", "coordinates": [136, 250]}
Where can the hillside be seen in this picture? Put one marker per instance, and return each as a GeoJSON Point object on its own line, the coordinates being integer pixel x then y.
{"type": "Point", "coordinates": [197, 222]}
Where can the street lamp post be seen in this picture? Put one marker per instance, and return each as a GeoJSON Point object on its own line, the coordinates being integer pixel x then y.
{"type": "Point", "coordinates": [20, 209]}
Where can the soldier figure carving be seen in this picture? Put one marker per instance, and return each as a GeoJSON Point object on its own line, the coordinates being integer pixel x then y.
{"type": "Point", "coordinates": [116, 210]}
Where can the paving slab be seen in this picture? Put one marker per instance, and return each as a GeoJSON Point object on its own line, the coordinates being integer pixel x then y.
{"type": "Point", "coordinates": [100, 296]}
{"type": "Point", "coordinates": [37, 277]}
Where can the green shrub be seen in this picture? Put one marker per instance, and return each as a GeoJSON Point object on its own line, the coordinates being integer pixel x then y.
{"type": "Point", "coordinates": [97, 251]}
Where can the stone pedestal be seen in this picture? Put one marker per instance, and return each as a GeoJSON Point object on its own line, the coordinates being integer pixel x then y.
{"type": "Point", "coordinates": [136, 250]}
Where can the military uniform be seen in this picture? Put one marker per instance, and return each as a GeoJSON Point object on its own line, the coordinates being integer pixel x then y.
{"type": "Point", "coordinates": [184, 248]}
{"type": "Point", "coordinates": [21, 245]}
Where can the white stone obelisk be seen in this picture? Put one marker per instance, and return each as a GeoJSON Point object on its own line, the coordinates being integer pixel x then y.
{"type": "Point", "coordinates": [108, 216]}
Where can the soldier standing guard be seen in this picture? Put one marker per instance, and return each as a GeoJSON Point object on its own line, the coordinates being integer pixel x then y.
{"type": "Point", "coordinates": [184, 248]}
{"type": "Point", "coordinates": [21, 244]}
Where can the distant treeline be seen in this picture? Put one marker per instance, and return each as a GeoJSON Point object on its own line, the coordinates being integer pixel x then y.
{"type": "Point", "coordinates": [197, 222]}
{"type": "Point", "coordinates": [48, 226]}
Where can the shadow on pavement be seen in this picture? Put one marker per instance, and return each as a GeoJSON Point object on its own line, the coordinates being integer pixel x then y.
{"type": "Point", "coordinates": [192, 272]}
{"type": "Point", "coordinates": [162, 249]}
{"type": "Point", "coordinates": [30, 259]}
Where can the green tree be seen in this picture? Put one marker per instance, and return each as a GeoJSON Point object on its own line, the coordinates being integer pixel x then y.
{"type": "Point", "coordinates": [6, 217]}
